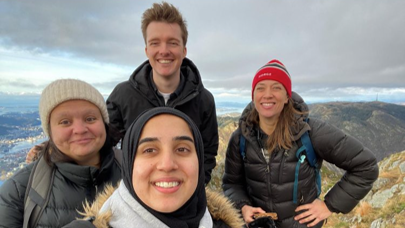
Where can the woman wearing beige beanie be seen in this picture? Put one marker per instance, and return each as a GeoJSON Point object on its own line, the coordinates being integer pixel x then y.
{"type": "Point", "coordinates": [78, 155]}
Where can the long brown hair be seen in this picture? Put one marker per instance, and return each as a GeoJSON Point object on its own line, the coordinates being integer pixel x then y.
{"type": "Point", "coordinates": [282, 136]}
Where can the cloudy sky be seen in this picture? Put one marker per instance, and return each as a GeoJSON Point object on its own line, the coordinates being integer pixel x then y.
{"type": "Point", "coordinates": [334, 50]}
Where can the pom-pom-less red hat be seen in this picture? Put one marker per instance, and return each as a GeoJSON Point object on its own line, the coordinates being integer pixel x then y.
{"type": "Point", "coordinates": [273, 70]}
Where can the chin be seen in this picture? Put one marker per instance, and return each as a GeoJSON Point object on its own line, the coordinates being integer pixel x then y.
{"type": "Point", "coordinates": [169, 209]}
{"type": "Point", "coordinates": [168, 206]}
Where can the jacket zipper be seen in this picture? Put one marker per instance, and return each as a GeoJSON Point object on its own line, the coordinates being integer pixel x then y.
{"type": "Point", "coordinates": [267, 163]}
{"type": "Point", "coordinates": [270, 202]}
{"type": "Point", "coordinates": [187, 98]}
{"type": "Point", "coordinates": [284, 155]}
{"type": "Point", "coordinates": [267, 170]}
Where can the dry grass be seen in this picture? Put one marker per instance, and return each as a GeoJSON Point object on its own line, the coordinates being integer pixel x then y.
{"type": "Point", "coordinates": [363, 214]}
{"type": "Point", "coordinates": [363, 209]}
{"type": "Point", "coordinates": [392, 174]}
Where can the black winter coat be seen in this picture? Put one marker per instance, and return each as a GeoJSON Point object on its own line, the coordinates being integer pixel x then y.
{"type": "Point", "coordinates": [270, 185]}
{"type": "Point", "coordinates": [133, 97]}
{"type": "Point", "coordinates": [73, 184]}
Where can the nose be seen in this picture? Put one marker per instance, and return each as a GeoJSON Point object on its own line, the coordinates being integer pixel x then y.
{"type": "Point", "coordinates": [167, 161]}
{"type": "Point", "coordinates": [268, 92]}
{"type": "Point", "coordinates": [163, 49]}
{"type": "Point", "coordinates": [79, 127]}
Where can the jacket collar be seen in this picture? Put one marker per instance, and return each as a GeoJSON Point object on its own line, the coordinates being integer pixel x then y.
{"type": "Point", "coordinates": [140, 80]}
{"type": "Point", "coordinates": [85, 175]}
{"type": "Point", "coordinates": [218, 205]}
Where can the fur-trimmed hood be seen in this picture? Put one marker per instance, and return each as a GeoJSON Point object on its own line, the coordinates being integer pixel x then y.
{"type": "Point", "coordinates": [220, 208]}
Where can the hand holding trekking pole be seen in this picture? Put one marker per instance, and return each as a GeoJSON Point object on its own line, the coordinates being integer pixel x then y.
{"type": "Point", "coordinates": [313, 213]}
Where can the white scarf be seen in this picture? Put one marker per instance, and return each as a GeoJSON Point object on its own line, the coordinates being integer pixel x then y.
{"type": "Point", "coordinates": [128, 213]}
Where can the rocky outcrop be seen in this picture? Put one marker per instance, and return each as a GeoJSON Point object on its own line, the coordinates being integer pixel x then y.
{"type": "Point", "coordinates": [378, 125]}
{"type": "Point", "coordinates": [384, 206]}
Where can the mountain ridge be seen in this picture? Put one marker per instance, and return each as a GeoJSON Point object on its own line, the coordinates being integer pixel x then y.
{"type": "Point", "coordinates": [379, 126]}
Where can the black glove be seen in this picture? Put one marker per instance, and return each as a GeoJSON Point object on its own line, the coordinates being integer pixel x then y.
{"type": "Point", "coordinates": [263, 222]}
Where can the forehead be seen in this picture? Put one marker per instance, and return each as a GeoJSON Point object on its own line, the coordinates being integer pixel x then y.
{"type": "Point", "coordinates": [74, 106]}
{"type": "Point", "coordinates": [268, 82]}
{"type": "Point", "coordinates": [166, 124]}
{"type": "Point", "coordinates": [157, 29]}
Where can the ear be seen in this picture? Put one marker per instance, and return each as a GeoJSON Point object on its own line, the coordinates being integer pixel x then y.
{"type": "Point", "coordinates": [146, 50]}
{"type": "Point", "coordinates": [185, 51]}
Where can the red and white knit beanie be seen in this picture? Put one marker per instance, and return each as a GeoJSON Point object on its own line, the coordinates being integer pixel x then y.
{"type": "Point", "coordinates": [273, 70]}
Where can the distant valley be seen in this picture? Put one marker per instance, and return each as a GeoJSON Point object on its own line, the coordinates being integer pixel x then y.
{"type": "Point", "coordinates": [379, 126]}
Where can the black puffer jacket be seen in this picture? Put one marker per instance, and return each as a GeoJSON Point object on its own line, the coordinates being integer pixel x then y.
{"type": "Point", "coordinates": [132, 97]}
{"type": "Point", "coordinates": [270, 186]}
{"type": "Point", "coordinates": [73, 184]}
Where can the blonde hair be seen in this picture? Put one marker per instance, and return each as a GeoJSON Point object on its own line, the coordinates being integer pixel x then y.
{"type": "Point", "coordinates": [164, 12]}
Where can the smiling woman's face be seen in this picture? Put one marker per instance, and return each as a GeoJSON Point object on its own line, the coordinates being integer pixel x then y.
{"type": "Point", "coordinates": [165, 173]}
{"type": "Point", "coordinates": [78, 131]}
{"type": "Point", "coordinates": [269, 98]}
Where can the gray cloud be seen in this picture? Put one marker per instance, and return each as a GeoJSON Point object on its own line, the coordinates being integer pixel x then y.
{"type": "Point", "coordinates": [97, 30]}
{"type": "Point", "coordinates": [324, 44]}
{"type": "Point", "coordinates": [20, 83]}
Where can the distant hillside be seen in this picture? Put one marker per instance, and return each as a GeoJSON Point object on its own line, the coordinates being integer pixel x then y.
{"type": "Point", "coordinates": [11, 121]}
{"type": "Point", "coordinates": [20, 119]}
{"type": "Point", "coordinates": [379, 126]}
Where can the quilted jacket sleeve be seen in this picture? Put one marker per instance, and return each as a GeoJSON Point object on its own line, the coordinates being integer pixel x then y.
{"type": "Point", "coordinates": [347, 153]}
{"type": "Point", "coordinates": [116, 125]}
{"type": "Point", "coordinates": [209, 133]}
{"type": "Point", "coordinates": [12, 194]}
{"type": "Point", "coordinates": [234, 182]}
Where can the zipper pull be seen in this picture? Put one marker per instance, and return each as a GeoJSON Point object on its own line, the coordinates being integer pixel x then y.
{"type": "Point", "coordinates": [263, 153]}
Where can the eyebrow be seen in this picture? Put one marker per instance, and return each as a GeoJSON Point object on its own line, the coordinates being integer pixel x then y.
{"type": "Point", "coordinates": [177, 138]}
{"type": "Point", "coordinates": [149, 139]}
{"type": "Point", "coordinates": [173, 39]}
{"type": "Point", "coordinates": [181, 138]}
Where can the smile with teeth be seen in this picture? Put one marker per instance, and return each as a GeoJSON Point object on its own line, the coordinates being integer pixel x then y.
{"type": "Point", "coordinates": [165, 61]}
{"type": "Point", "coordinates": [268, 104]}
{"type": "Point", "coordinates": [167, 184]}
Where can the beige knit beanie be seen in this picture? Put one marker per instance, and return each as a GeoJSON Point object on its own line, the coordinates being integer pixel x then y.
{"type": "Point", "coordinates": [63, 90]}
